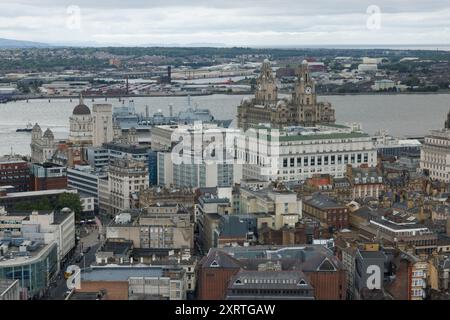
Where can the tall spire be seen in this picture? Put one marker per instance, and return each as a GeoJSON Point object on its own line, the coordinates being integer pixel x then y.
{"type": "Point", "coordinates": [81, 99]}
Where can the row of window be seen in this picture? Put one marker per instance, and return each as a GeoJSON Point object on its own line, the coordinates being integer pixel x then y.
{"type": "Point", "coordinates": [325, 160]}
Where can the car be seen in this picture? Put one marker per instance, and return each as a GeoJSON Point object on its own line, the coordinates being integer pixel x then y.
{"type": "Point", "coordinates": [87, 249]}
{"type": "Point", "coordinates": [79, 259]}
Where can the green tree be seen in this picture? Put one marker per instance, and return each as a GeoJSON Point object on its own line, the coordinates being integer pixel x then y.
{"type": "Point", "coordinates": [71, 201]}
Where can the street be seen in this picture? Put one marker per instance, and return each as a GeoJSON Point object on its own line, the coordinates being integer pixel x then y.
{"type": "Point", "coordinates": [90, 239]}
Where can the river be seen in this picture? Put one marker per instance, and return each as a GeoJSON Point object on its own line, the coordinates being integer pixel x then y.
{"type": "Point", "coordinates": [401, 115]}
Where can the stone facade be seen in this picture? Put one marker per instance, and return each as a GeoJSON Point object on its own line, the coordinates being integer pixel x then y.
{"type": "Point", "coordinates": [301, 108]}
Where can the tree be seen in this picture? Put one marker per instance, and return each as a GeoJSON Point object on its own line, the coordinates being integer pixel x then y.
{"type": "Point", "coordinates": [71, 201]}
{"type": "Point", "coordinates": [43, 204]}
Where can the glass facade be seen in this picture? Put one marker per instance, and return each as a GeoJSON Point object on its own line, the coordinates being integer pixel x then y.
{"type": "Point", "coordinates": [34, 274]}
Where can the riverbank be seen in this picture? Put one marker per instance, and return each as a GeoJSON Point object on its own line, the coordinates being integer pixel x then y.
{"type": "Point", "coordinates": [194, 94]}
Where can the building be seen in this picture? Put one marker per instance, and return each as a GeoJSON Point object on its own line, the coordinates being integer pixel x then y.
{"type": "Point", "coordinates": [301, 108]}
{"type": "Point", "coordinates": [270, 285]}
{"type": "Point", "coordinates": [102, 124]}
{"type": "Point", "coordinates": [365, 182]}
{"type": "Point", "coordinates": [327, 211]}
{"type": "Point", "coordinates": [80, 122]}
{"type": "Point", "coordinates": [158, 227]}
{"type": "Point", "coordinates": [384, 85]}
{"type": "Point", "coordinates": [97, 157]}
{"type": "Point", "coordinates": [388, 146]}
{"type": "Point", "coordinates": [10, 199]}
{"type": "Point", "coordinates": [294, 154]}
{"type": "Point", "coordinates": [48, 176]}
{"type": "Point", "coordinates": [126, 177]}
{"type": "Point", "coordinates": [166, 226]}
{"type": "Point", "coordinates": [203, 158]}
{"type": "Point", "coordinates": [43, 146]}
{"type": "Point", "coordinates": [435, 153]}
{"type": "Point", "coordinates": [9, 290]}
{"type": "Point", "coordinates": [322, 270]}
{"type": "Point", "coordinates": [274, 206]}
{"type": "Point", "coordinates": [369, 271]}
{"type": "Point", "coordinates": [400, 230]}
{"type": "Point", "coordinates": [33, 264]}
{"type": "Point", "coordinates": [136, 282]}
{"type": "Point", "coordinates": [167, 196]}
{"type": "Point", "coordinates": [15, 173]}
{"type": "Point", "coordinates": [46, 227]}
{"type": "Point", "coordinates": [86, 179]}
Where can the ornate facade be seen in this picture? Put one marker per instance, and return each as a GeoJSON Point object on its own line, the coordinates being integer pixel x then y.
{"type": "Point", "coordinates": [81, 125]}
{"type": "Point", "coordinates": [43, 146]}
{"type": "Point", "coordinates": [301, 108]}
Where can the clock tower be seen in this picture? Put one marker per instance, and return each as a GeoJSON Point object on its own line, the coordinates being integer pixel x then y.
{"type": "Point", "coordinates": [266, 89]}
{"type": "Point", "coordinates": [304, 96]}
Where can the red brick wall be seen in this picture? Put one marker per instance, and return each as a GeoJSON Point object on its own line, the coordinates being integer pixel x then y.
{"type": "Point", "coordinates": [39, 184]}
{"type": "Point", "coordinates": [328, 285]}
{"type": "Point", "coordinates": [213, 282]}
{"type": "Point", "coordinates": [115, 290]}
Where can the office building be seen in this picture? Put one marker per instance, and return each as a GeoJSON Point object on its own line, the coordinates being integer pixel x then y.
{"type": "Point", "coordinates": [294, 154]}
{"type": "Point", "coordinates": [15, 173]}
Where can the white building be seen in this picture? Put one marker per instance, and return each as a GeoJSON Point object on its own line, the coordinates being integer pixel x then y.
{"type": "Point", "coordinates": [48, 227]}
{"type": "Point", "coordinates": [294, 154]}
{"type": "Point", "coordinates": [201, 156]}
{"type": "Point", "coordinates": [81, 124]}
{"type": "Point", "coordinates": [435, 153]}
{"type": "Point", "coordinates": [126, 177]}
{"type": "Point", "coordinates": [102, 124]}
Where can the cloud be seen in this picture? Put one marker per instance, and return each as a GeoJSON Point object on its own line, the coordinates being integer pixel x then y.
{"type": "Point", "coordinates": [245, 22]}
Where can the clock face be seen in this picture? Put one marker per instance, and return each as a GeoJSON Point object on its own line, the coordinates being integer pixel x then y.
{"type": "Point", "coordinates": [308, 90]}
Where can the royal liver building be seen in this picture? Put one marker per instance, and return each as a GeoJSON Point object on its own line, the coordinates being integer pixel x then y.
{"type": "Point", "coordinates": [301, 108]}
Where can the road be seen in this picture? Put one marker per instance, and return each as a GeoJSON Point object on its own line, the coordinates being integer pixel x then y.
{"type": "Point", "coordinates": [59, 287]}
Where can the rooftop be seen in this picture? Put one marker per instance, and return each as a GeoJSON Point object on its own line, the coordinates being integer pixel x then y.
{"type": "Point", "coordinates": [118, 273]}
{"type": "Point", "coordinates": [323, 202]}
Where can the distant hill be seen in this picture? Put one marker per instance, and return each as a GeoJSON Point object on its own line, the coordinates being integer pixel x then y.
{"type": "Point", "coordinates": [9, 43]}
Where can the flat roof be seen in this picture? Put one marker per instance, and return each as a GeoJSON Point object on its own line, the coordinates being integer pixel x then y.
{"type": "Point", "coordinates": [119, 273]}
{"type": "Point", "coordinates": [37, 193]}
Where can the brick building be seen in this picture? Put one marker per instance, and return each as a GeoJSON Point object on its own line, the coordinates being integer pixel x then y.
{"type": "Point", "coordinates": [327, 211]}
{"type": "Point", "coordinates": [324, 271]}
{"type": "Point", "coordinates": [16, 173]}
{"type": "Point", "coordinates": [48, 176]}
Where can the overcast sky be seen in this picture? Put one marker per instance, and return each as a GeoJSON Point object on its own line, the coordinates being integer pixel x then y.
{"type": "Point", "coordinates": [229, 22]}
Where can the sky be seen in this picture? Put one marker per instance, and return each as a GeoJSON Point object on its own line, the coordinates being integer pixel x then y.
{"type": "Point", "coordinates": [227, 22]}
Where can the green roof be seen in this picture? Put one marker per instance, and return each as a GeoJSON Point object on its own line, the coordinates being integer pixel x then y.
{"type": "Point", "coordinates": [329, 136]}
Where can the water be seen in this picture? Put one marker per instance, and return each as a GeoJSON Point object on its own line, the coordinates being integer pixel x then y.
{"type": "Point", "coordinates": [401, 115]}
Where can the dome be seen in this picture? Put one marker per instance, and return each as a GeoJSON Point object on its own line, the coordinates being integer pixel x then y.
{"type": "Point", "coordinates": [36, 128]}
{"type": "Point", "coordinates": [49, 134]}
{"type": "Point", "coordinates": [304, 62]}
{"type": "Point", "coordinates": [81, 108]}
